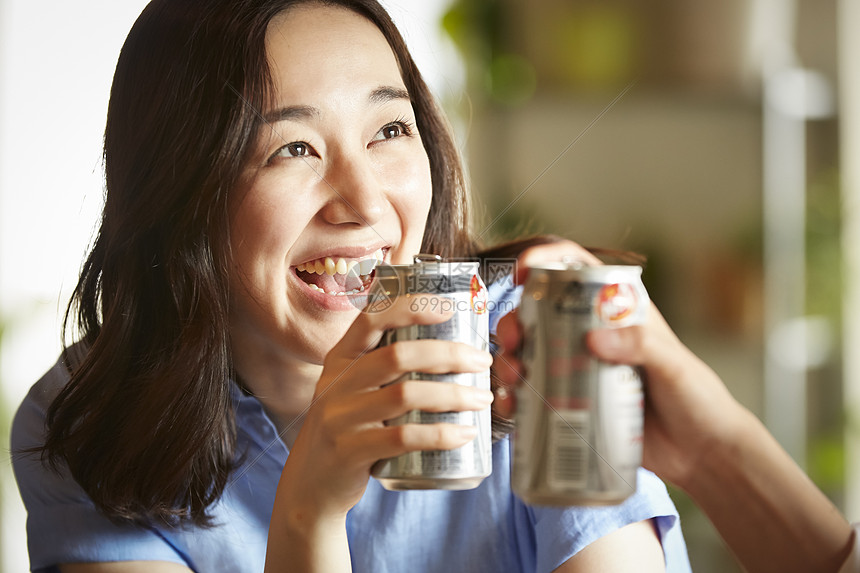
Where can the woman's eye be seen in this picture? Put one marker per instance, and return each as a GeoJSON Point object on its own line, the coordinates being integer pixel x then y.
{"type": "Point", "coordinates": [295, 149]}
{"type": "Point", "coordinates": [393, 130]}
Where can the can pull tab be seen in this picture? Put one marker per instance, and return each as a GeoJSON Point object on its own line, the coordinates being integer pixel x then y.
{"type": "Point", "coordinates": [426, 258]}
{"type": "Point", "coordinates": [572, 262]}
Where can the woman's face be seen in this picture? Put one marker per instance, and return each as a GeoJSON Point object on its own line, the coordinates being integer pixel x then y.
{"type": "Point", "coordinates": [341, 180]}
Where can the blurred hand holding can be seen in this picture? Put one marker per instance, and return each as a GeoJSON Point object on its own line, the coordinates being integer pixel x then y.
{"type": "Point", "coordinates": [578, 436]}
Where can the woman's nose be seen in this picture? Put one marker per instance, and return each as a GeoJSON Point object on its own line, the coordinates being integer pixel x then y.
{"type": "Point", "coordinates": [355, 193]}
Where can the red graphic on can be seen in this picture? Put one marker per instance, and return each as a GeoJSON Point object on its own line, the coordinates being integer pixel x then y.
{"type": "Point", "coordinates": [479, 295]}
{"type": "Point", "coordinates": [616, 302]}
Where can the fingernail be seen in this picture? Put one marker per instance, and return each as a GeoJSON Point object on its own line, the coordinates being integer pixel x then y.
{"type": "Point", "coordinates": [607, 339]}
{"type": "Point", "coordinates": [482, 396]}
{"type": "Point", "coordinates": [468, 432]}
{"type": "Point", "coordinates": [482, 358]}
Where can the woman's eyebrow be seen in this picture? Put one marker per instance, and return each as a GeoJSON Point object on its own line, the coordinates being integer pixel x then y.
{"type": "Point", "coordinates": [293, 112]}
{"type": "Point", "coordinates": [379, 96]}
{"type": "Point", "coordinates": [385, 94]}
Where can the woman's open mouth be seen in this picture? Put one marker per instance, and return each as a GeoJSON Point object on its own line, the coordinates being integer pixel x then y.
{"type": "Point", "coordinates": [340, 276]}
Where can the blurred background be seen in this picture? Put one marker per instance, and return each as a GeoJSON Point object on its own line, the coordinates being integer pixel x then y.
{"type": "Point", "coordinates": [719, 139]}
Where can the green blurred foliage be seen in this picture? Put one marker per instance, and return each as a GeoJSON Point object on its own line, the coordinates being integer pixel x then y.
{"type": "Point", "coordinates": [823, 247]}
{"type": "Point", "coordinates": [581, 46]}
{"type": "Point", "coordinates": [826, 461]}
{"type": "Point", "coordinates": [510, 79]}
{"type": "Point", "coordinates": [591, 45]}
{"type": "Point", "coordinates": [496, 69]}
{"type": "Point", "coordinates": [824, 287]}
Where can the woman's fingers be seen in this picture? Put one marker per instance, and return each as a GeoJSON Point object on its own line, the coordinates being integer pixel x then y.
{"type": "Point", "coordinates": [560, 251]}
{"type": "Point", "coordinates": [389, 363]}
{"type": "Point", "coordinates": [653, 346]}
{"type": "Point", "coordinates": [622, 345]}
{"type": "Point", "coordinates": [383, 442]}
{"type": "Point", "coordinates": [507, 366]}
{"type": "Point", "coordinates": [366, 330]}
{"type": "Point", "coordinates": [398, 398]}
{"type": "Point", "coordinates": [368, 390]}
{"type": "Point", "coordinates": [353, 423]}
{"type": "Point", "coordinates": [509, 333]}
{"type": "Point", "coordinates": [507, 369]}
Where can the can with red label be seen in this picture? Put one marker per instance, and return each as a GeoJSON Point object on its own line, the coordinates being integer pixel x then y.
{"type": "Point", "coordinates": [578, 436]}
{"type": "Point", "coordinates": [463, 291]}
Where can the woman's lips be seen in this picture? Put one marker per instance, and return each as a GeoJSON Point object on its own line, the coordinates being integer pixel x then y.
{"type": "Point", "coordinates": [340, 276]}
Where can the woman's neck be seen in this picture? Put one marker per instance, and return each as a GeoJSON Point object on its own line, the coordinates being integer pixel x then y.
{"type": "Point", "coordinates": [284, 385]}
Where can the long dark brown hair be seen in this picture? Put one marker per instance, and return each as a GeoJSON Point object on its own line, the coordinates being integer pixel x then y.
{"type": "Point", "coordinates": [146, 423]}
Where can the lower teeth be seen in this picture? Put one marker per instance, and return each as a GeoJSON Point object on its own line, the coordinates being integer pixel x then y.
{"type": "Point", "coordinates": [365, 280]}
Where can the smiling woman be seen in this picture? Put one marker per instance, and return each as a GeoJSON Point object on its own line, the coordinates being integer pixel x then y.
{"type": "Point", "coordinates": [224, 402]}
{"type": "Point", "coordinates": [344, 175]}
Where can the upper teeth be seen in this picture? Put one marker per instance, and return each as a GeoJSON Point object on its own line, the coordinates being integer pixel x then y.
{"type": "Point", "coordinates": [341, 266]}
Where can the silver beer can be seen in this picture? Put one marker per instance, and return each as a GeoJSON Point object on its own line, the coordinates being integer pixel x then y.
{"type": "Point", "coordinates": [465, 293]}
{"type": "Point", "coordinates": [578, 436]}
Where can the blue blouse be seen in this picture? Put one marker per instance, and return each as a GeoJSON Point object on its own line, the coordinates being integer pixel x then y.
{"type": "Point", "coordinates": [486, 529]}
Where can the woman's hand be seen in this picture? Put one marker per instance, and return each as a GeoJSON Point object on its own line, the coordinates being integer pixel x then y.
{"type": "Point", "coordinates": [344, 433]}
{"type": "Point", "coordinates": [688, 409]}
{"type": "Point", "coordinates": [700, 438]}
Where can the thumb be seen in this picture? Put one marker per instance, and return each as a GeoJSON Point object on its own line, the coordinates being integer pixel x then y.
{"type": "Point", "coordinates": [652, 346]}
{"type": "Point", "coordinates": [621, 345]}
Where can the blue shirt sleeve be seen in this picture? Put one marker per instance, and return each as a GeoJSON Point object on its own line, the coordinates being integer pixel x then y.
{"type": "Point", "coordinates": [63, 525]}
{"type": "Point", "coordinates": [555, 534]}
{"type": "Point", "coordinates": [560, 532]}
{"type": "Point", "coordinates": [504, 297]}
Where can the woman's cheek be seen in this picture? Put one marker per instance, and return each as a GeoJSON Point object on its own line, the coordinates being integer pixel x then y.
{"type": "Point", "coordinates": [417, 183]}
